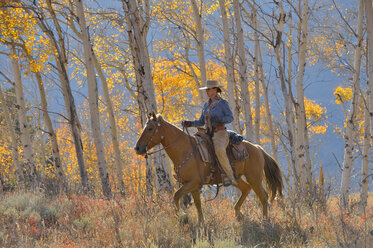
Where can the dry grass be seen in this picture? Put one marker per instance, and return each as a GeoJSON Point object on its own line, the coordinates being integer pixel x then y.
{"type": "Point", "coordinates": [33, 220]}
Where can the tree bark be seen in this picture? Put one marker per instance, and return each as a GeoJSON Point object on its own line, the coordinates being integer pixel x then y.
{"type": "Point", "coordinates": [193, 72]}
{"type": "Point", "coordinates": [229, 65]}
{"type": "Point", "coordinates": [289, 116]}
{"type": "Point", "coordinates": [301, 130]}
{"type": "Point", "coordinates": [261, 79]}
{"type": "Point", "coordinates": [93, 101]}
{"type": "Point", "coordinates": [30, 164]}
{"type": "Point", "coordinates": [72, 116]}
{"type": "Point", "coordinates": [145, 85]}
{"type": "Point", "coordinates": [13, 140]}
{"type": "Point", "coordinates": [244, 83]}
{"type": "Point", "coordinates": [257, 76]}
{"type": "Point", "coordinates": [365, 162]}
{"type": "Point", "coordinates": [200, 41]}
{"type": "Point", "coordinates": [350, 132]}
{"type": "Point", "coordinates": [59, 172]}
{"type": "Point", "coordinates": [140, 99]}
{"type": "Point", "coordinates": [369, 20]}
{"type": "Point", "coordinates": [113, 127]}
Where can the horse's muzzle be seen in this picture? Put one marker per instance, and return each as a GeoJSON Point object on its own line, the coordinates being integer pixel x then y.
{"type": "Point", "coordinates": [140, 150]}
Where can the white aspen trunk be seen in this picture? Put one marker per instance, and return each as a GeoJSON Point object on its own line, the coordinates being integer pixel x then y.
{"type": "Point", "coordinates": [13, 140]}
{"type": "Point", "coordinates": [245, 94]}
{"type": "Point", "coordinates": [286, 95]}
{"type": "Point", "coordinates": [369, 20]}
{"type": "Point", "coordinates": [200, 43]}
{"type": "Point", "coordinates": [256, 75]}
{"type": "Point", "coordinates": [350, 133]}
{"type": "Point", "coordinates": [93, 102]}
{"type": "Point", "coordinates": [365, 162]}
{"type": "Point", "coordinates": [61, 61]}
{"type": "Point", "coordinates": [195, 77]}
{"type": "Point", "coordinates": [40, 145]}
{"type": "Point", "coordinates": [301, 130]}
{"type": "Point", "coordinates": [229, 65]}
{"type": "Point", "coordinates": [113, 127]}
{"type": "Point", "coordinates": [257, 92]}
{"type": "Point", "coordinates": [73, 121]}
{"type": "Point", "coordinates": [30, 164]}
{"type": "Point", "coordinates": [60, 174]}
{"type": "Point", "coordinates": [264, 86]}
{"type": "Point", "coordinates": [140, 99]}
{"type": "Point", "coordinates": [145, 84]}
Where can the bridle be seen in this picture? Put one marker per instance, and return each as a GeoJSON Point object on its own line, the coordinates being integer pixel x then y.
{"type": "Point", "coordinates": [158, 124]}
{"type": "Point", "coordinates": [189, 156]}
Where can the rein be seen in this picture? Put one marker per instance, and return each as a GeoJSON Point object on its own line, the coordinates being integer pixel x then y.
{"type": "Point", "coordinates": [194, 153]}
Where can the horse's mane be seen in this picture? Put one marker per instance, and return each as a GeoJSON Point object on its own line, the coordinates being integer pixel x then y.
{"type": "Point", "coordinates": [160, 118]}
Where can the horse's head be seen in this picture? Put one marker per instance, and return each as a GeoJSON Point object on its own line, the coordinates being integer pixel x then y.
{"type": "Point", "coordinates": [150, 136]}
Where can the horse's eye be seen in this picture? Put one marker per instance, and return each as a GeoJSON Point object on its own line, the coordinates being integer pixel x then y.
{"type": "Point", "coordinates": [150, 128]}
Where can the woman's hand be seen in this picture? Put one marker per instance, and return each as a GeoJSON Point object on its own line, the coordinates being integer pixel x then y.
{"type": "Point", "coordinates": [186, 123]}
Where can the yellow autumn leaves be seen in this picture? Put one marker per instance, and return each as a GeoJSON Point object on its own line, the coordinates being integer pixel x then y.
{"type": "Point", "coordinates": [19, 26]}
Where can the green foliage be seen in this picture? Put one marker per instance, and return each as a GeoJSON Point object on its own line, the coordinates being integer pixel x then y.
{"type": "Point", "coordinates": [28, 205]}
{"type": "Point", "coordinates": [84, 224]}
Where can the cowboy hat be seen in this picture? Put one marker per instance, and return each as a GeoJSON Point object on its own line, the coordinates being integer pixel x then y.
{"type": "Point", "coordinates": [211, 84]}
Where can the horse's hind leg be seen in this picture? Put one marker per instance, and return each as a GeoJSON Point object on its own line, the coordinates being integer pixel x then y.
{"type": "Point", "coordinates": [262, 194]}
{"type": "Point", "coordinates": [245, 190]}
{"type": "Point", "coordinates": [197, 201]}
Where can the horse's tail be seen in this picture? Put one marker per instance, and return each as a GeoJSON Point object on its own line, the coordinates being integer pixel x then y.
{"type": "Point", "coordinates": [273, 176]}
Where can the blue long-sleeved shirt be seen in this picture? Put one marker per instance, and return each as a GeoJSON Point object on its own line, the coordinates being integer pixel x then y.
{"type": "Point", "coordinates": [220, 114]}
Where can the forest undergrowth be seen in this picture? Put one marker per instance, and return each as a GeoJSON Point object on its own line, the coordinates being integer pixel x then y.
{"type": "Point", "coordinates": [38, 220]}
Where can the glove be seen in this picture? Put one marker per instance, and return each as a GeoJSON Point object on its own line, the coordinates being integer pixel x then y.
{"type": "Point", "coordinates": [186, 123]}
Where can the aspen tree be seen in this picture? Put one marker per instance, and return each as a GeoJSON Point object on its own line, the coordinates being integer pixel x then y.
{"type": "Point", "coordinates": [229, 64]}
{"type": "Point", "coordinates": [113, 126]}
{"type": "Point", "coordinates": [244, 83]}
{"type": "Point", "coordinates": [301, 127]}
{"type": "Point", "coordinates": [350, 133]}
{"type": "Point", "coordinates": [61, 62]}
{"type": "Point", "coordinates": [261, 79]}
{"type": "Point", "coordinates": [365, 161]}
{"type": "Point", "coordinates": [13, 140]}
{"type": "Point", "coordinates": [145, 84]}
{"type": "Point", "coordinates": [93, 101]}
{"type": "Point", "coordinates": [200, 41]}
{"type": "Point", "coordinates": [30, 165]}
{"type": "Point", "coordinates": [47, 120]}
{"type": "Point", "coordinates": [287, 95]}
{"type": "Point", "coordinates": [369, 19]}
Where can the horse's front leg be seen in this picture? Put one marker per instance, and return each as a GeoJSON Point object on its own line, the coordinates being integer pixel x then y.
{"type": "Point", "coordinates": [197, 201]}
{"type": "Point", "coordinates": [185, 189]}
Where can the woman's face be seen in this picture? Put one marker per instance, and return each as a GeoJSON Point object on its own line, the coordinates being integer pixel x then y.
{"type": "Point", "coordinates": [211, 93]}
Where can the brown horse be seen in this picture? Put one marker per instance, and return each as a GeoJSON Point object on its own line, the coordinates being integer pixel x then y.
{"type": "Point", "coordinates": [192, 172]}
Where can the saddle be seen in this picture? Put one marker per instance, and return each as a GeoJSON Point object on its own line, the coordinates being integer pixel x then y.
{"type": "Point", "coordinates": [236, 150]}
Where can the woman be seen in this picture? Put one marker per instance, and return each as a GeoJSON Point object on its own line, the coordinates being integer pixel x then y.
{"type": "Point", "coordinates": [215, 114]}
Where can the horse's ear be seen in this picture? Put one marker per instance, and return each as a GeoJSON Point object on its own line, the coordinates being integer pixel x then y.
{"type": "Point", "coordinates": [154, 115]}
{"type": "Point", "coordinates": [148, 116]}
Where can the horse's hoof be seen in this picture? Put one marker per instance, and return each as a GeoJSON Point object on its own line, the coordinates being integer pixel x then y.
{"type": "Point", "coordinates": [184, 219]}
{"type": "Point", "coordinates": [239, 216]}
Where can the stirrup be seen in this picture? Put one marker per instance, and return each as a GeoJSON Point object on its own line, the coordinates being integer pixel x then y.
{"type": "Point", "coordinates": [227, 182]}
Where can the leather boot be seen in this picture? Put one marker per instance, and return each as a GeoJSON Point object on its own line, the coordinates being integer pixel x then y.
{"type": "Point", "coordinates": [226, 180]}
